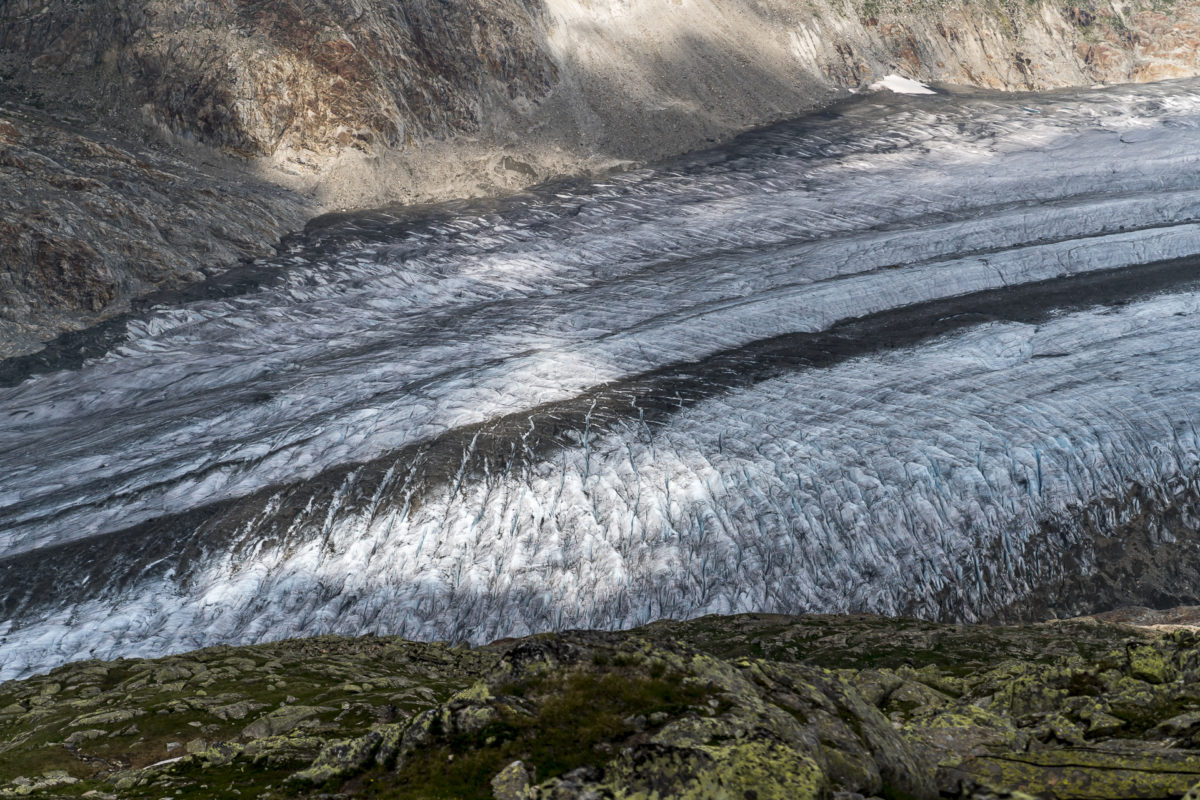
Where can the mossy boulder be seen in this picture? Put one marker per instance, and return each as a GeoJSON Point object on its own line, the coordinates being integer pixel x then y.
{"type": "Point", "coordinates": [281, 720]}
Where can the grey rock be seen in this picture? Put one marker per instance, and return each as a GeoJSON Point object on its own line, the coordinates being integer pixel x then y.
{"type": "Point", "coordinates": [281, 721]}
{"type": "Point", "coordinates": [237, 710]}
{"type": "Point", "coordinates": [512, 782]}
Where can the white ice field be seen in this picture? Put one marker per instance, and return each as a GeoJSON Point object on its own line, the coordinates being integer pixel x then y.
{"type": "Point", "coordinates": [912, 480]}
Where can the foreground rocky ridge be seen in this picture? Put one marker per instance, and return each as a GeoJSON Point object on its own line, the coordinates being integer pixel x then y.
{"type": "Point", "coordinates": [361, 102]}
{"type": "Point", "coordinates": [749, 706]}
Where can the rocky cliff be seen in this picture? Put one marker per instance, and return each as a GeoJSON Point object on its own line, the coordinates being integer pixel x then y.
{"type": "Point", "coordinates": [358, 102]}
{"type": "Point", "coordinates": [90, 220]}
{"type": "Point", "coordinates": [754, 706]}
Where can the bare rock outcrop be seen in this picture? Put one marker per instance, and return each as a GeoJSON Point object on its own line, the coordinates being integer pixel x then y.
{"type": "Point", "coordinates": [308, 79]}
{"type": "Point", "coordinates": [255, 77]}
{"type": "Point", "coordinates": [758, 705]}
{"type": "Point", "coordinates": [89, 221]}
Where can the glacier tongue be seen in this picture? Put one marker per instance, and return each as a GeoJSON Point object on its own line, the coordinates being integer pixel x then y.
{"type": "Point", "coordinates": [493, 418]}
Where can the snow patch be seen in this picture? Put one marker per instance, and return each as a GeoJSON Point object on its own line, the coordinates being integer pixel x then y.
{"type": "Point", "coordinates": [900, 85]}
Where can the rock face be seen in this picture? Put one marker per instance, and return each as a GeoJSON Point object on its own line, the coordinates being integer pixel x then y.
{"type": "Point", "coordinates": [255, 77]}
{"type": "Point", "coordinates": [753, 706]}
{"type": "Point", "coordinates": [311, 78]}
{"type": "Point", "coordinates": [358, 102]}
{"type": "Point", "coordinates": [89, 221]}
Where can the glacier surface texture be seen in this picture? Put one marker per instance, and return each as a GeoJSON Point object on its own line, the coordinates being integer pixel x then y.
{"type": "Point", "coordinates": [930, 355]}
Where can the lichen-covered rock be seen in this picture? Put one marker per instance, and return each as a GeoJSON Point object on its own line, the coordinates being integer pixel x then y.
{"type": "Point", "coordinates": [512, 782]}
{"type": "Point", "coordinates": [220, 753]}
{"type": "Point", "coordinates": [1147, 663]}
{"type": "Point", "coordinates": [77, 737]}
{"type": "Point", "coordinates": [754, 769]}
{"type": "Point", "coordinates": [658, 719]}
{"type": "Point", "coordinates": [107, 717]}
{"type": "Point", "coordinates": [756, 705]}
{"type": "Point", "coordinates": [281, 720]}
{"type": "Point", "coordinates": [341, 759]}
{"type": "Point", "coordinates": [236, 710]}
{"type": "Point", "coordinates": [1089, 774]}
{"type": "Point", "coordinates": [27, 787]}
{"type": "Point", "coordinates": [290, 750]}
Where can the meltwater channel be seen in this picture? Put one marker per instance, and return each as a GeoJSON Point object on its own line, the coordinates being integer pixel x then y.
{"type": "Point", "coordinates": [931, 355]}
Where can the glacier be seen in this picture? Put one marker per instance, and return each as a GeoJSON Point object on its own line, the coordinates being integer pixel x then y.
{"type": "Point", "coordinates": [926, 355]}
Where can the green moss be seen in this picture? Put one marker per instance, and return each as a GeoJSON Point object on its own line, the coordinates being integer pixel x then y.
{"type": "Point", "coordinates": [571, 714]}
{"type": "Point", "coordinates": [141, 707]}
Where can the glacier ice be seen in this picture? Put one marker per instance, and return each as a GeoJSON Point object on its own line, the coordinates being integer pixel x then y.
{"type": "Point", "coordinates": [351, 446]}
